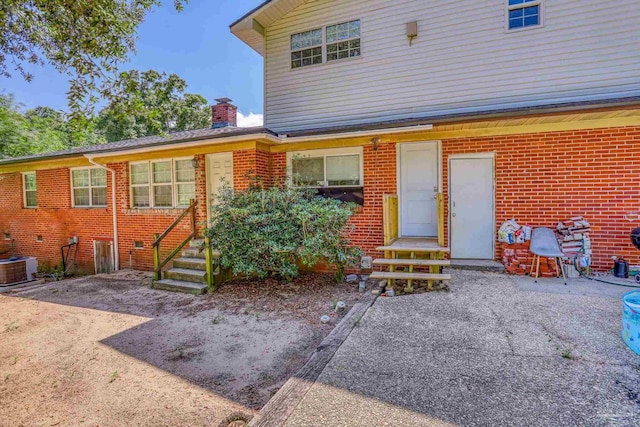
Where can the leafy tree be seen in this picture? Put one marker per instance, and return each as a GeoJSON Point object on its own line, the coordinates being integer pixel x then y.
{"type": "Point", "coordinates": [39, 130]}
{"type": "Point", "coordinates": [87, 40]}
{"type": "Point", "coordinates": [150, 103]}
{"type": "Point", "coordinates": [262, 232]}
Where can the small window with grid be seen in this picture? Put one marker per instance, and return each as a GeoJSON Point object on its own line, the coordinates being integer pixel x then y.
{"type": "Point", "coordinates": [89, 187]}
{"type": "Point", "coordinates": [29, 186]}
{"type": "Point", "coordinates": [306, 48]}
{"type": "Point", "coordinates": [343, 40]}
{"type": "Point", "coordinates": [524, 13]}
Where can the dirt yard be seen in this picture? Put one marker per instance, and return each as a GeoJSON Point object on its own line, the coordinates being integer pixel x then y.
{"type": "Point", "coordinates": [110, 351]}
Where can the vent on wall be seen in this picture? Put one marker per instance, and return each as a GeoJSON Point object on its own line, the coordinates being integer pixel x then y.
{"type": "Point", "coordinates": [7, 236]}
{"type": "Point", "coordinates": [138, 244]}
{"type": "Point", "coordinates": [39, 238]}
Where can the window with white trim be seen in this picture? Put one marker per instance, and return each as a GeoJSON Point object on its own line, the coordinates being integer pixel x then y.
{"type": "Point", "coordinates": [326, 168]}
{"type": "Point", "coordinates": [162, 183]}
{"type": "Point", "coordinates": [524, 13]}
{"type": "Point", "coordinates": [29, 188]}
{"type": "Point", "coordinates": [89, 187]}
{"type": "Point", "coordinates": [306, 48]}
{"type": "Point", "coordinates": [330, 43]}
{"type": "Point", "coordinates": [343, 40]}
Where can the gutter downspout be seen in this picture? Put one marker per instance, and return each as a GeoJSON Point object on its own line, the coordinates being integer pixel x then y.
{"type": "Point", "coordinates": [116, 247]}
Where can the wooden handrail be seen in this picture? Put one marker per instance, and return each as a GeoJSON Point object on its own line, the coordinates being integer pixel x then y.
{"type": "Point", "coordinates": [157, 262]}
{"type": "Point", "coordinates": [191, 209]}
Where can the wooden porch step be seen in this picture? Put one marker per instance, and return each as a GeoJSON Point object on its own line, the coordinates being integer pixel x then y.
{"type": "Point", "coordinates": [414, 262]}
{"type": "Point", "coordinates": [417, 249]}
{"type": "Point", "coordinates": [408, 276]}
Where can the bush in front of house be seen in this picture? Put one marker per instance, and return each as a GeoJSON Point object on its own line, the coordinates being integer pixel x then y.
{"type": "Point", "coordinates": [271, 231]}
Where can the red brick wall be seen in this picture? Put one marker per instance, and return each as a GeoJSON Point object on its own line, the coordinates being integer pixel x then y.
{"type": "Point", "coordinates": [379, 179]}
{"type": "Point", "coordinates": [54, 219]}
{"type": "Point", "coordinates": [544, 178]}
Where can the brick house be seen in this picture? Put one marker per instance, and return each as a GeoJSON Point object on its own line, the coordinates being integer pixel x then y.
{"type": "Point", "coordinates": [511, 109]}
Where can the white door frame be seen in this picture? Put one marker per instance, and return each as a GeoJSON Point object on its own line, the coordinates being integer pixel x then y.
{"type": "Point", "coordinates": [399, 174]}
{"type": "Point", "coordinates": [208, 158]}
{"type": "Point", "coordinates": [486, 155]}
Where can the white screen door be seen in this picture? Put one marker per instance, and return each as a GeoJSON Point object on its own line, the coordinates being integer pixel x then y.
{"type": "Point", "coordinates": [418, 189]}
{"type": "Point", "coordinates": [219, 169]}
{"type": "Point", "coordinates": [472, 207]}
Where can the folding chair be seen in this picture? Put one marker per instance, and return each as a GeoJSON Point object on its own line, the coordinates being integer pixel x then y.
{"type": "Point", "coordinates": [545, 244]}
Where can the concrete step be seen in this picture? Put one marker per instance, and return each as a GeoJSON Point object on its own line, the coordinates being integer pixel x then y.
{"type": "Point", "coordinates": [477, 265]}
{"type": "Point", "coordinates": [196, 243]}
{"type": "Point", "coordinates": [186, 275]}
{"type": "Point", "coordinates": [190, 263]}
{"type": "Point", "coordinates": [406, 276]}
{"type": "Point", "coordinates": [413, 262]}
{"type": "Point", "coordinates": [196, 253]}
{"type": "Point", "coordinates": [180, 286]}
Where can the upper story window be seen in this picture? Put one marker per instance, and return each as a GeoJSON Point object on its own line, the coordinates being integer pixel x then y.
{"type": "Point", "coordinates": [524, 13]}
{"type": "Point", "coordinates": [306, 48]}
{"type": "Point", "coordinates": [89, 187]}
{"type": "Point", "coordinates": [29, 187]}
{"type": "Point", "coordinates": [162, 183]}
{"type": "Point", "coordinates": [343, 40]}
{"type": "Point", "coordinates": [326, 44]}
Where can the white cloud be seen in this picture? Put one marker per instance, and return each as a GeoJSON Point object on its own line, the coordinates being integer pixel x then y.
{"type": "Point", "coordinates": [250, 120]}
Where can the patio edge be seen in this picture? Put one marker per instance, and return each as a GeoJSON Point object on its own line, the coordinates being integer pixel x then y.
{"type": "Point", "coordinates": [283, 403]}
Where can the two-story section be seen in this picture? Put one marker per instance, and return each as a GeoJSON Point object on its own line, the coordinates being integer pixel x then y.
{"type": "Point", "coordinates": [332, 63]}
{"type": "Point", "coordinates": [458, 114]}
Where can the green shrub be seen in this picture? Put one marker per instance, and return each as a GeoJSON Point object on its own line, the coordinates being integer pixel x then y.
{"type": "Point", "coordinates": [261, 232]}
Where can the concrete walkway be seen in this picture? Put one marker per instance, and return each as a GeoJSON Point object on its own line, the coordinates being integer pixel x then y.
{"type": "Point", "coordinates": [494, 351]}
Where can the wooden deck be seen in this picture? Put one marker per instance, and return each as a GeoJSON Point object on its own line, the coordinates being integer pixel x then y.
{"type": "Point", "coordinates": [414, 244]}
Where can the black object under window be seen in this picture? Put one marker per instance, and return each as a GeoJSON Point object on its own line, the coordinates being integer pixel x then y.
{"type": "Point", "coordinates": [345, 194]}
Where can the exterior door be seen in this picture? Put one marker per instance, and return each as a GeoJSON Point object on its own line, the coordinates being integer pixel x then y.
{"type": "Point", "coordinates": [219, 170]}
{"type": "Point", "coordinates": [103, 256]}
{"type": "Point", "coordinates": [418, 189]}
{"type": "Point", "coordinates": [471, 197]}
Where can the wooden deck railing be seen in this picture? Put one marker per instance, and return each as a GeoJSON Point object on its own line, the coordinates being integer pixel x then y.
{"type": "Point", "coordinates": [158, 263]}
{"type": "Point", "coordinates": [391, 215]}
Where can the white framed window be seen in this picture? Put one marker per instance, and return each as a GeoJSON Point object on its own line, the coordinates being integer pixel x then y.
{"type": "Point", "coordinates": [89, 187]}
{"type": "Point", "coordinates": [343, 40]}
{"type": "Point", "coordinates": [30, 198]}
{"type": "Point", "coordinates": [162, 183]}
{"type": "Point", "coordinates": [524, 14]}
{"type": "Point", "coordinates": [326, 44]}
{"type": "Point", "coordinates": [331, 168]}
{"type": "Point", "coordinates": [306, 48]}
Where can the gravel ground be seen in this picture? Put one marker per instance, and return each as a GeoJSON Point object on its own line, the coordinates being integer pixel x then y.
{"type": "Point", "coordinates": [107, 350]}
{"type": "Point", "coordinates": [495, 350]}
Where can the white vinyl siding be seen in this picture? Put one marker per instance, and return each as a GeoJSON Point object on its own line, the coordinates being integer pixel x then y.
{"type": "Point", "coordinates": [88, 187]}
{"type": "Point", "coordinates": [162, 183]}
{"type": "Point", "coordinates": [29, 198]}
{"type": "Point", "coordinates": [463, 59]}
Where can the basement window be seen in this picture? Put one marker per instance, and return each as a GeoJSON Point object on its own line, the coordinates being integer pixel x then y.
{"type": "Point", "coordinates": [39, 238]}
{"type": "Point", "coordinates": [524, 13]}
{"type": "Point", "coordinates": [162, 183]}
{"type": "Point", "coordinates": [7, 236]}
{"type": "Point", "coordinates": [89, 187]}
{"type": "Point", "coordinates": [138, 244]}
{"type": "Point", "coordinates": [29, 186]}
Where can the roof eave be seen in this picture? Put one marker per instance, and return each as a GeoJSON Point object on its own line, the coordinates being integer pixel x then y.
{"type": "Point", "coordinates": [251, 32]}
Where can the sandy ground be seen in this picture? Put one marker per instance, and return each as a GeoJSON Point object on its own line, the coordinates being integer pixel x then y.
{"type": "Point", "coordinates": [109, 351]}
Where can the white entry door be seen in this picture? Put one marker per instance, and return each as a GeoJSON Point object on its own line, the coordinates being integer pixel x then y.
{"type": "Point", "coordinates": [219, 170]}
{"type": "Point", "coordinates": [472, 207]}
{"type": "Point", "coordinates": [418, 189]}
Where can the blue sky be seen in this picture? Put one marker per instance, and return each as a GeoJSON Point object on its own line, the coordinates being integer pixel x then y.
{"type": "Point", "coordinates": [195, 44]}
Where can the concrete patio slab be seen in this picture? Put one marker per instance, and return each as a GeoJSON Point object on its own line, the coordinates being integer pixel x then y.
{"type": "Point", "coordinates": [495, 350]}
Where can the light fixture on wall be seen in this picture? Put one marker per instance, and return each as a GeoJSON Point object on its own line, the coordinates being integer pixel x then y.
{"type": "Point", "coordinates": [375, 142]}
{"type": "Point", "coordinates": [195, 163]}
{"type": "Point", "coordinates": [412, 31]}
